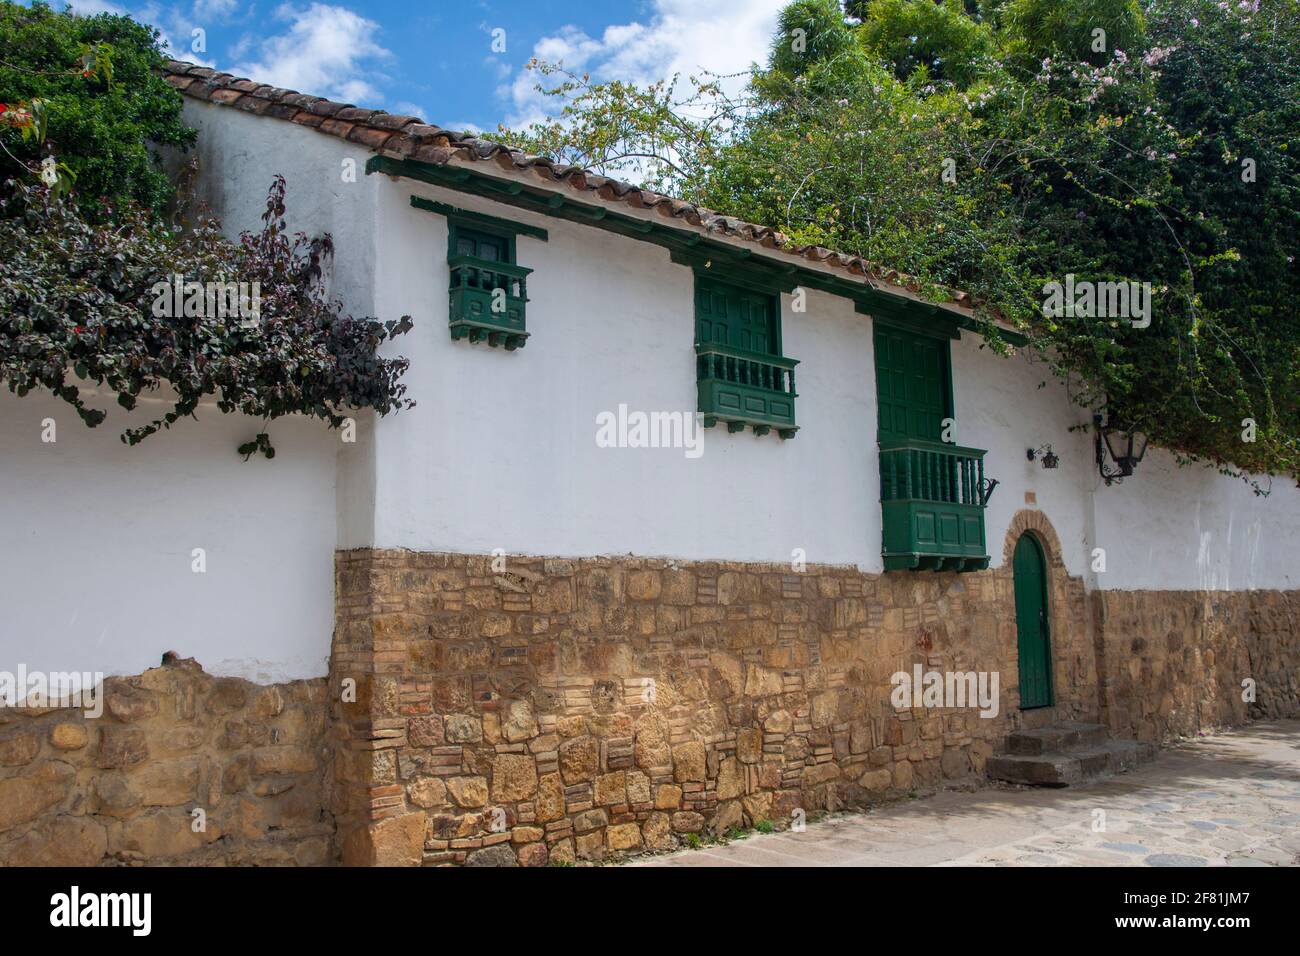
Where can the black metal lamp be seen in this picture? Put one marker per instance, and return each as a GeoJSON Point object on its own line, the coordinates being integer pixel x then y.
{"type": "Point", "coordinates": [1126, 449]}
{"type": "Point", "coordinates": [1044, 454]}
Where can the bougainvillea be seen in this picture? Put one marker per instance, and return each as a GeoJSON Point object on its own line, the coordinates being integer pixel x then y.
{"type": "Point", "coordinates": [81, 304]}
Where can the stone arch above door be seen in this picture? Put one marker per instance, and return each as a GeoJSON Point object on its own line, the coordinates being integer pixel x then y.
{"type": "Point", "coordinates": [1036, 523]}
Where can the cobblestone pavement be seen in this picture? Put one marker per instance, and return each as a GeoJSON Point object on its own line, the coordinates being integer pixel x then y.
{"type": "Point", "coordinates": [1228, 799]}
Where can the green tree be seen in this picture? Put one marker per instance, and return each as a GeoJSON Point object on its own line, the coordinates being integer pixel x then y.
{"type": "Point", "coordinates": [809, 32]}
{"type": "Point", "coordinates": [1163, 155]}
{"type": "Point", "coordinates": [85, 291]}
{"type": "Point", "coordinates": [1081, 30]}
{"type": "Point", "coordinates": [102, 123]}
{"type": "Point", "coordinates": [939, 38]}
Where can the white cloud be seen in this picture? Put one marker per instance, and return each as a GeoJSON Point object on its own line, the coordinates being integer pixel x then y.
{"type": "Point", "coordinates": [175, 32]}
{"type": "Point", "coordinates": [241, 47]}
{"type": "Point", "coordinates": [218, 9]}
{"type": "Point", "coordinates": [408, 108]}
{"type": "Point", "coordinates": [680, 36]}
{"type": "Point", "coordinates": [91, 8]}
{"type": "Point", "coordinates": [465, 126]}
{"type": "Point", "coordinates": [328, 51]}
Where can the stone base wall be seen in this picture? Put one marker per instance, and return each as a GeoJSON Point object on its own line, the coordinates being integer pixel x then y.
{"type": "Point", "coordinates": [562, 710]}
{"type": "Point", "coordinates": [574, 709]}
{"type": "Point", "coordinates": [1174, 661]}
{"type": "Point", "coordinates": [122, 788]}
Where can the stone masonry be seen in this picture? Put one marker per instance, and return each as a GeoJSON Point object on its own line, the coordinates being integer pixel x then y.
{"type": "Point", "coordinates": [181, 768]}
{"type": "Point", "coordinates": [1175, 661]}
{"type": "Point", "coordinates": [557, 710]}
{"type": "Point", "coordinates": [575, 709]}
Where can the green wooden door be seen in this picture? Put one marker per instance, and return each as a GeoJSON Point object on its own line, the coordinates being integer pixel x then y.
{"type": "Point", "coordinates": [913, 384]}
{"type": "Point", "coordinates": [1032, 637]}
{"type": "Point", "coordinates": [735, 317]}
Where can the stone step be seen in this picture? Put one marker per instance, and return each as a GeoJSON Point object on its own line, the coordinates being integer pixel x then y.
{"type": "Point", "coordinates": [1059, 737]}
{"type": "Point", "coordinates": [1042, 770]}
{"type": "Point", "coordinates": [1066, 767]}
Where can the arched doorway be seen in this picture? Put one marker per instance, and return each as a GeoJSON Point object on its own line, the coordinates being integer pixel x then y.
{"type": "Point", "coordinates": [1032, 638]}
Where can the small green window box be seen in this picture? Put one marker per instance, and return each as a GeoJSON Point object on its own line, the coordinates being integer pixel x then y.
{"type": "Point", "coordinates": [742, 378]}
{"type": "Point", "coordinates": [487, 301]}
{"type": "Point", "coordinates": [488, 294]}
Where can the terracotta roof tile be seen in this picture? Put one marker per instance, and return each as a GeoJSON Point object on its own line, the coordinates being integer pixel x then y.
{"type": "Point", "coordinates": [392, 121]}
{"type": "Point", "coordinates": [409, 136]}
{"type": "Point", "coordinates": [281, 111]}
{"type": "Point", "coordinates": [354, 115]}
{"type": "Point", "coordinates": [326, 107]}
{"type": "Point", "coordinates": [336, 128]}
{"type": "Point", "coordinates": [300, 100]}
{"type": "Point", "coordinates": [369, 136]}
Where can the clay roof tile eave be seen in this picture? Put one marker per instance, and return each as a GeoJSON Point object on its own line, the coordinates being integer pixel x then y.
{"type": "Point", "coordinates": [411, 137]}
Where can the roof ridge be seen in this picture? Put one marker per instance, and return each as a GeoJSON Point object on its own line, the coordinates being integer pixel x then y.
{"type": "Point", "coordinates": [400, 136]}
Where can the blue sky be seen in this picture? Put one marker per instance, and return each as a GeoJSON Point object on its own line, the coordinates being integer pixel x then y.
{"type": "Point", "coordinates": [435, 58]}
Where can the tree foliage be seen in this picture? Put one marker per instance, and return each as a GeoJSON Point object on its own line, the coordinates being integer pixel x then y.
{"type": "Point", "coordinates": [1000, 145]}
{"type": "Point", "coordinates": [102, 123]}
{"type": "Point", "coordinates": [86, 301]}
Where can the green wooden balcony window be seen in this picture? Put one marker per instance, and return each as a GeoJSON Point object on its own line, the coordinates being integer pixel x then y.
{"type": "Point", "coordinates": [742, 377]}
{"type": "Point", "coordinates": [932, 498]}
{"type": "Point", "coordinates": [746, 389]}
{"type": "Point", "coordinates": [489, 289]}
{"type": "Point", "coordinates": [487, 301]}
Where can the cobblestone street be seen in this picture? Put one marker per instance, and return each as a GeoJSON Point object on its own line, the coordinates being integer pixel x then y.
{"type": "Point", "coordinates": [1229, 799]}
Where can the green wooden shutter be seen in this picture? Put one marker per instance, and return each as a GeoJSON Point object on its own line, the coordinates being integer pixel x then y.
{"type": "Point", "coordinates": [741, 376]}
{"type": "Point", "coordinates": [736, 317]}
{"type": "Point", "coordinates": [913, 384]}
{"type": "Point", "coordinates": [488, 290]}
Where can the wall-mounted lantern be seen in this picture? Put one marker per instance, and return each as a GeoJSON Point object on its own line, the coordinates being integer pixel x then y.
{"type": "Point", "coordinates": [1126, 449]}
{"type": "Point", "coordinates": [1044, 454]}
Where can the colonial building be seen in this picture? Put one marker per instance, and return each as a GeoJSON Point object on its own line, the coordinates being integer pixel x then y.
{"type": "Point", "coordinates": [678, 503]}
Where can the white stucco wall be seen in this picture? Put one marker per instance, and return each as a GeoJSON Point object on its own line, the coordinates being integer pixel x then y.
{"type": "Point", "coordinates": [326, 188]}
{"type": "Point", "coordinates": [96, 572]}
{"type": "Point", "coordinates": [1000, 407]}
{"type": "Point", "coordinates": [1168, 527]}
{"type": "Point", "coordinates": [502, 453]}
{"type": "Point", "coordinates": [1171, 527]}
